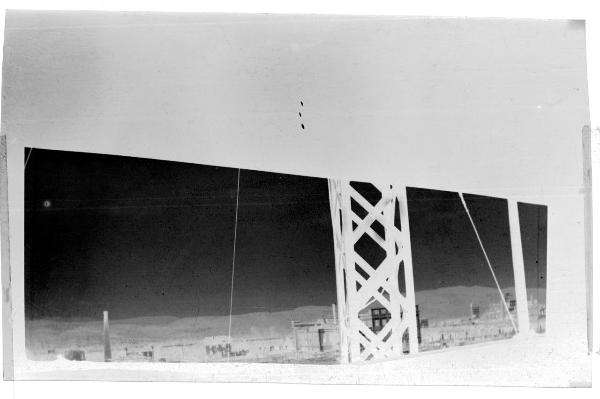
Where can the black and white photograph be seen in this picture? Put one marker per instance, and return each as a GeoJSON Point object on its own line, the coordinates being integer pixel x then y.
{"type": "Point", "coordinates": [329, 199]}
{"type": "Point", "coordinates": [158, 259]}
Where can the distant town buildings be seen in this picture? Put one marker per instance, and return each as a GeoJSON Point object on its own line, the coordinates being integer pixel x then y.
{"type": "Point", "coordinates": [316, 337]}
{"type": "Point", "coordinates": [316, 340]}
{"type": "Point", "coordinates": [379, 318]}
{"type": "Point", "coordinates": [475, 313]}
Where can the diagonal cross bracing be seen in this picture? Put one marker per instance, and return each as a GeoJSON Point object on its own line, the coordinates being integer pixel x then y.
{"type": "Point", "coordinates": [362, 283]}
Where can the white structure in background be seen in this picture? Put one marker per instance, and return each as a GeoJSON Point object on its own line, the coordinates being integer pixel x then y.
{"type": "Point", "coordinates": [384, 220]}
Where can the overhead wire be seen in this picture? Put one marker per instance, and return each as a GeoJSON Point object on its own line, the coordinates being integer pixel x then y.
{"type": "Point", "coordinates": [237, 206]}
{"type": "Point", "coordinates": [27, 159]}
{"type": "Point", "coordinates": [487, 259]}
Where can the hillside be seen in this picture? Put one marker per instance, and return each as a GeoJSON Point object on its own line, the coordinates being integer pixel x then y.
{"type": "Point", "coordinates": [442, 303]}
{"type": "Point", "coordinates": [454, 302]}
{"type": "Point", "coordinates": [166, 329]}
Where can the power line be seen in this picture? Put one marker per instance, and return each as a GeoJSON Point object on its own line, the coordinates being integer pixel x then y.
{"type": "Point", "coordinates": [196, 205]}
{"type": "Point", "coordinates": [237, 203]}
{"type": "Point", "coordinates": [27, 159]}
{"type": "Point", "coordinates": [462, 199]}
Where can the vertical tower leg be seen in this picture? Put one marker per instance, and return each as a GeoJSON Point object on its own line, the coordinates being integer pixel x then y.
{"type": "Point", "coordinates": [518, 267]}
{"type": "Point", "coordinates": [366, 216]}
{"type": "Point", "coordinates": [408, 271]}
{"type": "Point", "coordinates": [335, 203]}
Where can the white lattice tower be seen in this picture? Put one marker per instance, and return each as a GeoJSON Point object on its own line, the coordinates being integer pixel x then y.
{"type": "Point", "coordinates": [360, 281]}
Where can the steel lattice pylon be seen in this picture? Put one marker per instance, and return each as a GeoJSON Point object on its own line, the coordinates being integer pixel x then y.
{"type": "Point", "coordinates": [378, 216]}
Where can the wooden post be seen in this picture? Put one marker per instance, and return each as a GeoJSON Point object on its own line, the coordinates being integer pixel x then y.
{"type": "Point", "coordinates": [588, 226]}
{"type": "Point", "coordinates": [333, 312]}
{"type": "Point", "coordinates": [518, 267]}
{"type": "Point", "coordinates": [295, 338]}
{"type": "Point", "coordinates": [107, 354]}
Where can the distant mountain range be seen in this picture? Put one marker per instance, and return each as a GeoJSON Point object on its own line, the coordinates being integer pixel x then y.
{"type": "Point", "coordinates": [455, 302]}
{"type": "Point", "coordinates": [166, 329]}
{"type": "Point", "coordinates": [442, 303]}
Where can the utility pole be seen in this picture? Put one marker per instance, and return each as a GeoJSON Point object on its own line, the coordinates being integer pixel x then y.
{"type": "Point", "coordinates": [107, 354]}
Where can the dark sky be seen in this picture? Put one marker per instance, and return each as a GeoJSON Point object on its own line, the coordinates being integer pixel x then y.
{"type": "Point", "coordinates": [145, 237]}
{"type": "Point", "coordinates": [445, 249]}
